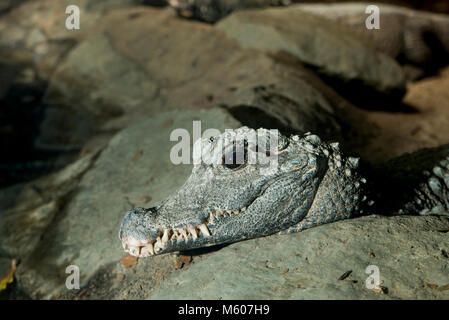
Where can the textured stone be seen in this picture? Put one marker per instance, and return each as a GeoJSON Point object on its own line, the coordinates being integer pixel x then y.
{"type": "Point", "coordinates": [413, 36]}
{"type": "Point", "coordinates": [157, 77]}
{"type": "Point", "coordinates": [307, 265]}
{"type": "Point", "coordinates": [326, 46]}
{"type": "Point", "coordinates": [28, 209]}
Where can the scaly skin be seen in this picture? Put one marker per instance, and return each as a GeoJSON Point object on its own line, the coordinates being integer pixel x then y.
{"type": "Point", "coordinates": [213, 10]}
{"type": "Point", "coordinates": [314, 184]}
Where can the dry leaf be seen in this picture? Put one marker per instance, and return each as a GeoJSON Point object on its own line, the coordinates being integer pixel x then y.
{"type": "Point", "coordinates": [128, 261]}
{"type": "Point", "coordinates": [345, 275]}
{"type": "Point", "coordinates": [285, 271]}
{"type": "Point", "coordinates": [350, 281]}
{"type": "Point", "coordinates": [444, 288]}
{"type": "Point", "coordinates": [137, 155]}
{"type": "Point", "coordinates": [437, 287]}
{"type": "Point", "coordinates": [8, 277]}
{"type": "Point", "coordinates": [432, 285]}
{"type": "Point", "coordinates": [182, 261]}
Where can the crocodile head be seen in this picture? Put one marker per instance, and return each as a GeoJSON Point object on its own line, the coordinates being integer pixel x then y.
{"type": "Point", "coordinates": [232, 194]}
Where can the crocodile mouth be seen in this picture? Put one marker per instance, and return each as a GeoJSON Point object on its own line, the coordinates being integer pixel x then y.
{"type": "Point", "coordinates": [169, 237]}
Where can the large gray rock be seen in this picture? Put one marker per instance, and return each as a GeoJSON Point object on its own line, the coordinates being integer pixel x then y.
{"type": "Point", "coordinates": [410, 252]}
{"type": "Point", "coordinates": [134, 170]}
{"type": "Point", "coordinates": [291, 99]}
{"type": "Point", "coordinates": [330, 48]}
{"type": "Point", "coordinates": [27, 209]}
{"type": "Point", "coordinates": [34, 35]}
{"type": "Point", "coordinates": [94, 80]}
{"type": "Point", "coordinates": [273, 87]}
{"type": "Point", "coordinates": [138, 70]}
{"type": "Point", "coordinates": [34, 32]}
{"type": "Point", "coordinates": [414, 36]}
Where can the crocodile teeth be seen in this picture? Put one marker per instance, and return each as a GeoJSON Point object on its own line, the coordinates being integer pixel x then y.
{"type": "Point", "coordinates": [193, 232]}
{"type": "Point", "coordinates": [180, 234]}
{"type": "Point", "coordinates": [166, 236]}
{"type": "Point", "coordinates": [204, 230]}
{"type": "Point", "coordinates": [144, 252]}
{"type": "Point", "coordinates": [184, 233]}
{"type": "Point", "coordinates": [175, 235]}
{"type": "Point", "coordinates": [150, 248]}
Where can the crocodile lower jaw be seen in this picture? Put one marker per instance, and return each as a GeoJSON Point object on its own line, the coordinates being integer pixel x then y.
{"type": "Point", "coordinates": [150, 247]}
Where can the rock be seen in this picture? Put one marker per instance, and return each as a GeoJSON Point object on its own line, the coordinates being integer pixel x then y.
{"type": "Point", "coordinates": [307, 265]}
{"type": "Point", "coordinates": [234, 81]}
{"type": "Point", "coordinates": [85, 230]}
{"type": "Point", "coordinates": [8, 5]}
{"type": "Point", "coordinates": [34, 31]}
{"type": "Point", "coordinates": [22, 230]}
{"type": "Point", "coordinates": [27, 209]}
{"type": "Point", "coordinates": [326, 46]}
{"type": "Point", "coordinates": [102, 81]}
{"type": "Point", "coordinates": [35, 37]}
{"type": "Point", "coordinates": [284, 107]}
{"type": "Point", "coordinates": [158, 78]}
{"type": "Point", "coordinates": [425, 126]}
{"type": "Point", "coordinates": [92, 83]}
{"type": "Point", "coordinates": [413, 37]}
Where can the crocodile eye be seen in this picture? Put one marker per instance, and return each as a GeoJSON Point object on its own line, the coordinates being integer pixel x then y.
{"type": "Point", "coordinates": [234, 159]}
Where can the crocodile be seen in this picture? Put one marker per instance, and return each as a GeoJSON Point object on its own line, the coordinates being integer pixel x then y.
{"type": "Point", "coordinates": [243, 188]}
{"type": "Point", "coordinates": [211, 11]}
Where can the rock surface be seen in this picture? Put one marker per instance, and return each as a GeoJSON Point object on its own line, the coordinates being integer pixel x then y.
{"type": "Point", "coordinates": [103, 83]}
{"type": "Point", "coordinates": [329, 48]}
{"type": "Point", "coordinates": [28, 209]}
{"type": "Point", "coordinates": [413, 37]}
{"type": "Point", "coordinates": [410, 252]}
{"type": "Point", "coordinates": [131, 75]}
